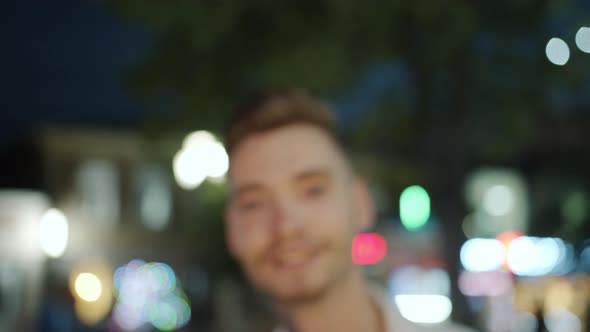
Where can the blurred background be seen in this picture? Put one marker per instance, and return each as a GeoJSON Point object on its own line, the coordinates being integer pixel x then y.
{"type": "Point", "coordinates": [470, 118]}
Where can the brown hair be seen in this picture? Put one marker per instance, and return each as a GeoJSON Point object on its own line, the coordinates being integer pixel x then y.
{"type": "Point", "coordinates": [275, 108]}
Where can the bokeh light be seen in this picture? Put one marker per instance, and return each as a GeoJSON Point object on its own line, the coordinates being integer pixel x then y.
{"type": "Point", "coordinates": [507, 237]}
{"type": "Point", "coordinates": [498, 200]}
{"type": "Point", "coordinates": [499, 314]}
{"type": "Point", "coordinates": [531, 256]}
{"type": "Point", "coordinates": [155, 201]}
{"type": "Point", "coordinates": [128, 317]}
{"type": "Point", "coordinates": [421, 295]}
{"type": "Point", "coordinates": [91, 286]}
{"type": "Point", "coordinates": [197, 138]}
{"type": "Point", "coordinates": [487, 283]}
{"type": "Point", "coordinates": [523, 255]}
{"type": "Point", "coordinates": [98, 182]}
{"type": "Point", "coordinates": [188, 168]}
{"type": "Point", "coordinates": [368, 248]}
{"type": "Point", "coordinates": [88, 287]}
{"type": "Point", "coordinates": [163, 316]}
{"type": "Point", "coordinates": [557, 51]}
{"type": "Point", "coordinates": [416, 280]}
{"type": "Point", "coordinates": [567, 259]}
{"type": "Point", "coordinates": [414, 207]}
{"type": "Point", "coordinates": [482, 254]}
{"type": "Point", "coordinates": [201, 156]}
{"type": "Point", "coordinates": [562, 320]}
{"type": "Point", "coordinates": [149, 293]}
{"type": "Point", "coordinates": [53, 233]}
{"type": "Point", "coordinates": [583, 39]}
{"type": "Point", "coordinates": [218, 162]}
{"type": "Point", "coordinates": [424, 309]}
{"type": "Point", "coordinates": [23, 210]}
{"type": "Point", "coordinates": [162, 277]}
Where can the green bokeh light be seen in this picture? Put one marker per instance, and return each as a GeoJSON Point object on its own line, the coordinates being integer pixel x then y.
{"type": "Point", "coordinates": [163, 316]}
{"type": "Point", "coordinates": [414, 207]}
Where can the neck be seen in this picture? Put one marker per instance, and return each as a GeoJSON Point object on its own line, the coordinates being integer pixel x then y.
{"type": "Point", "coordinates": [346, 306]}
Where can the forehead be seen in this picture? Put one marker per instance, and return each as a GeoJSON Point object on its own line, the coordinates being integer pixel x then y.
{"type": "Point", "coordinates": [283, 153]}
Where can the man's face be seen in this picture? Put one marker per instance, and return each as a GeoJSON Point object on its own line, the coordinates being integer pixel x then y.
{"type": "Point", "coordinates": [294, 210]}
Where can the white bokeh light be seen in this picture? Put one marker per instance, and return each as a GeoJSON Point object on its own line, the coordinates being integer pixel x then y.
{"type": "Point", "coordinates": [201, 157]}
{"type": "Point", "coordinates": [583, 39]}
{"type": "Point", "coordinates": [127, 317]}
{"type": "Point", "coordinates": [482, 254]}
{"type": "Point", "coordinates": [557, 51]}
{"type": "Point", "coordinates": [415, 280]}
{"type": "Point", "coordinates": [498, 200]}
{"type": "Point", "coordinates": [424, 309]}
{"type": "Point", "coordinates": [217, 160]}
{"type": "Point", "coordinates": [562, 320]}
{"type": "Point", "coordinates": [198, 138]}
{"type": "Point", "coordinates": [530, 256]}
{"type": "Point", "coordinates": [188, 169]}
{"type": "Point", "coordinates": [53, 233]}
{"type": "Point", "coordinates": [421, 295]}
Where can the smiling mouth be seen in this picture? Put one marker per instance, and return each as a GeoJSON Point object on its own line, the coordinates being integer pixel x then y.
{"type": "Point", "coordinates": [293, 260]}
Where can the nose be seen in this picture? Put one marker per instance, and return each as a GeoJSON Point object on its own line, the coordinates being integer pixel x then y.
{"type": "Point", "coordinates": [287, 220]}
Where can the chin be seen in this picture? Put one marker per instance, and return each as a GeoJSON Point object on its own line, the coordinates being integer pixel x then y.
{"type": "Point", "coordinates": [298, 286]}
{"type": "Point", "coordinates": [299, 295]}
{"type": "Point", "coordinates": [303, 289]}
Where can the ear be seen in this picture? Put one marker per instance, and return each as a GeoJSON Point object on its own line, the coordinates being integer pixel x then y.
{"type": "Point", "coordinates": [364, 204]}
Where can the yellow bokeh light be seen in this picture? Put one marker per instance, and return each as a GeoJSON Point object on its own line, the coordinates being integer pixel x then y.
{"type": "Point", "coordinates": [92, 288]}
{"type": "Point", "coordinates": [88, 287]}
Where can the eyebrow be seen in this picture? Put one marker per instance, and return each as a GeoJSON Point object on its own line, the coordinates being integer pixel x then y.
{"type": "Point", "coordinates": [302, 176]}
{"type": "Point", "coordinates": [246, 189]}
{"type": "Point", "coordinates": [311, 174]}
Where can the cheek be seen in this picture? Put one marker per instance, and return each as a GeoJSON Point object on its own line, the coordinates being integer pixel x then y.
{"type": "Point", "coordinates": [333, 222]}
{"type": "Point", "coordinates": [249, 240]}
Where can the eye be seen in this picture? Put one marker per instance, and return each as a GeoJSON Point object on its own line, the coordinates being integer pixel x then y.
{"type": "Point", "coordinates": [250, 205]}
{"type": "Point", "coordinates": [314, 191]}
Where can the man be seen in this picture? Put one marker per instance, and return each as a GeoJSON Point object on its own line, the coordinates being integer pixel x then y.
{"type": "Point", "coordinates": [295, 206]}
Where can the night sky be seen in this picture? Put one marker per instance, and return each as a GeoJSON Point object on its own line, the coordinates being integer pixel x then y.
{"type": "Point", "coordinates": [63, 62]}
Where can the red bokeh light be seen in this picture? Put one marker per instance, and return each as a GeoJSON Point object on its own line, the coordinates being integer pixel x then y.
{"type": "Point", "coordinates": [368, 248]}
{"type": "Point", "coordinates": [506, 238]}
